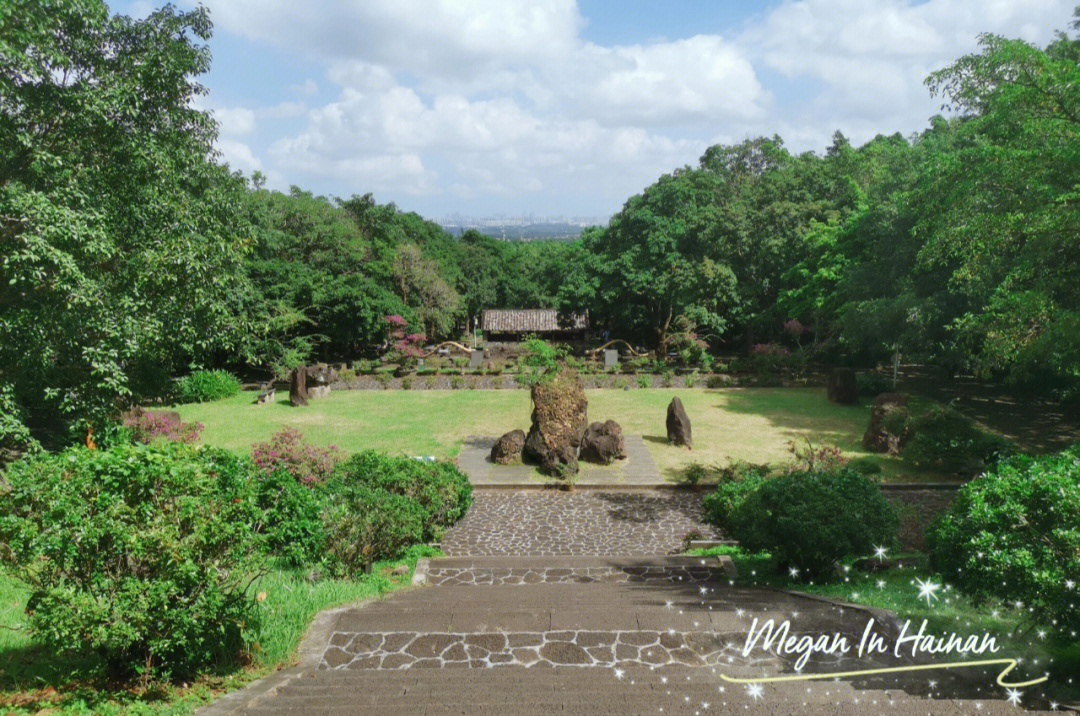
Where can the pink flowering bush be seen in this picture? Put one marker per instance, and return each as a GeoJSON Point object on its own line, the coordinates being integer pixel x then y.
{"type": "Point", "coordinates": [795, 327]}
{"type": "Point", "coordinates": [809, 458]}
{"type": "Point", "coordinates": [287, 450]}
{"type": "Point", "coordinates": [769, 349]}
{"type": "Point", "coordinates": [147, 427]}
{"type": "Point", "coordinates": [405, 348]}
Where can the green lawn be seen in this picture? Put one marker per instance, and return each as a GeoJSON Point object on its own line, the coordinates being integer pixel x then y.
{"type": "Point", "coordinates": [34, 681]}
{"type": "Point", "coordinates": [753, 424]}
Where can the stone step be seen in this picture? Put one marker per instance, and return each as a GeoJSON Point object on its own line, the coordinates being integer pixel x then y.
{"type": "Point", "coordinates": [568, 690]}
{"type": "Point", "coordinates": [457, 571]}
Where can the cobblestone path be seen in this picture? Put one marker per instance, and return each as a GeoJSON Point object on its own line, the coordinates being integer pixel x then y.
{"type": "Point", "coordinates": [583, 522]}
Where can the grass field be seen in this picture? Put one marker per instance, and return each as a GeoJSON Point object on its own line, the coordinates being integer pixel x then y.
{"type": "Point", "coordinates": [753, 424]}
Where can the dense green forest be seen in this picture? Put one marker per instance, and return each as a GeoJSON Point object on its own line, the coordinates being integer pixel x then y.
{"type": "Point", "coordinates": [131, 254]}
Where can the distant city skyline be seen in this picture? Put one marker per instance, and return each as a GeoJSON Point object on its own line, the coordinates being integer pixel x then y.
{"type": "Point", "coordinates": [566, 107]}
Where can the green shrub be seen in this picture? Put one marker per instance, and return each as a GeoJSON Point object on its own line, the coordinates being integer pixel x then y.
{"type": "Point", "coordinates": [294, 516]}
{"type": "Point", "coordinates": [442, 491]}
{"type": "Point", "coordinates": [383, 379]}
{"type": "Point", "coordinates": [694, 473]}
{"type": "Point", "coordinates": [140, 554]}
{"type": "Point", "coordinates": [406, 383]}
{"type": "Point", "coordinates": [872, 385]}
{"type": "Point", "coordinates": [945, 439]}
{"type": "Point", "coordinates": [691, 380]}
{"type": "Point", "coordinates": [1014, 534]}
{"type": "Point", "coordinates": [363, 366]}
{"type": "Point", "coordinates": [15, 438]}
{"type": "Point", "coordinates": [644, 381]}
{"type": "Point", "coordinates": [620, 383]}
{"type": "Point", "coordinates": [735, 483]}
{"type": "Point", "coordinates": [812, 520]}
{"type": "Point", "coordinates": [205, 385]}
{"type": "Point", "coordinates": [457, 382]}
{"type": "Point", "coordinates": [716, 381]}
{"type": "Point", "coordinates": [865, 465]}
{"type": "Point", "coordinates": [364, 525]}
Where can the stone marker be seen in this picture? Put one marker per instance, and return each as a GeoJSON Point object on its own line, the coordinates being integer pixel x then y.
{"type": "Point", "coordinates": [476, 358]}
{"type": "Point", "coordinates": [678, 424]}
{"type": "Point", "coordinates": [318, 392]}
{"type": "Point", "coordinates": [507, 449]}
{"type": "Point", "coordinates": [842, 386]}
{"type": "Point", "coordinates": [603, 443]}
{"type": "Point", "coordinates": [266, 394]}
{"type": "Point", "coordinates": [298, 394]}
{"type": "Point", "coordinates": [559, 418]}
{"type": "Point", "coordinates": [611, 358]}
{"type": "Point", "coordinates": [888, 430]}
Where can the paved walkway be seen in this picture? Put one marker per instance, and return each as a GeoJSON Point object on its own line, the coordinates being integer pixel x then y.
{"type": "Point", "coordinates": [583, 522]}
{"type": "Point", "coordinates": [637, 469]}
{"type": "Point", "coordinates": [656, 640]}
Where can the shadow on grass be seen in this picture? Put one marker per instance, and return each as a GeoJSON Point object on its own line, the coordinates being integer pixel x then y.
{"type": "Point", "coordinates": [35, 679]}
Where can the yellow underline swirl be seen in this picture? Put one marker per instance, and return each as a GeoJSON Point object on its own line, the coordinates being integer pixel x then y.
{"type": "Point", "coordinates": [1009, 665]}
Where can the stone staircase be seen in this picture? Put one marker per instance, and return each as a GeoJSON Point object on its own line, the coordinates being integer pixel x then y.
{"type": "Point", "coordinates": [579, 634]}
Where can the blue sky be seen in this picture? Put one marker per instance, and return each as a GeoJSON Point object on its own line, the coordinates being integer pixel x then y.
{"type": "Point", "coordinates": [560, 107]}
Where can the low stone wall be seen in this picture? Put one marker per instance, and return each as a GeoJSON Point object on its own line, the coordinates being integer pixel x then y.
{"type": "Point", "coordinates": [918, 504]}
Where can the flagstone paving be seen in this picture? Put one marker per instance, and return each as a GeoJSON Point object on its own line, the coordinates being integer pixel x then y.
{"type": "Point", "coordinates": [654, 644]}
{"type": "Point", "coordinates": [583, 522]}
{"type": "Point", "coordinates": [637, 469]}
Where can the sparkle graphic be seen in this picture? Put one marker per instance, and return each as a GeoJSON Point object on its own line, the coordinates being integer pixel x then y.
{"type": "Point", "coordinates": [879, 552]}
{"type": "Point", "coordinates": [1014, 696]}
{"type": "Point", "coordinates": [754, 691]}
{"type": "Point", "coordinates": [927, 590]}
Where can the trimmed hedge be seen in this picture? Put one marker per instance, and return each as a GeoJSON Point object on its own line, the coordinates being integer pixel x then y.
{"type": "Point", "coordinates": [441, 490]}
{"type": "Point", "coordinates": [364, 525]}
{"type": "Point", "coordinates": [1014, 534]}
{"type": "Point", "coordinates": [806, 520]}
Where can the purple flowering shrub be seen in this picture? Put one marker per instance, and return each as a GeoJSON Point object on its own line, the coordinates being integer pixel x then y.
{"type": "Point", "coordinates": [149, 426]}
{"type": "Point", "coordinates": [288, 450]}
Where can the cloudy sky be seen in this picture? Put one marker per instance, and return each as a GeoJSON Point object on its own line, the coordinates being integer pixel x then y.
{"type": "Point", "coordinates": [560, 107]}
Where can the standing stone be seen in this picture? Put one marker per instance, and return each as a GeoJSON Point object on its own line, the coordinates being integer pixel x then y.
{"type": "Point", "coordinates": [842, 387]}
{"type": "Point", "coordinates": [298, 394]}
{"type": "Point", "coordinates": [889, 429]}
{"type": "Point", "coordinates": [476, 358]}
{"type": "Point", "coordinates": [507, 449]}
{"type": "Point", "coordinates": [559, 418]}
{"type": "Point", "coordinates": [611, 359]}
{"type": "Point", "coordinates": [678, 424]}
{"type": "Point", "coordinates": [603, 443]}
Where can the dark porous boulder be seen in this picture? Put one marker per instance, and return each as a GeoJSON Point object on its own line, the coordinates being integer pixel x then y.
{"type": "Point", "coordinates": [603, 443]}
{"type": "Point", "coordinates": [678, 424]}
{"type": "Point", "coordinates": [298, 394]}
{"type": "Point", "coordinates": [507, 449]}
{"type": "Point", "coordinates": [889, 428]}
{"type": "Point", "coordinates": [842, 386]}
{"type": "Point", "coordinates": [559, 419]}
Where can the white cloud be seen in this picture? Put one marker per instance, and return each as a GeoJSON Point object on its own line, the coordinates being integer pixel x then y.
{"type": "Point", "coordinates": [871, 57]}
{"type": "Point", "coordinates": [488, 100]}
{"type": "Point", "coordinates": [234, 121]}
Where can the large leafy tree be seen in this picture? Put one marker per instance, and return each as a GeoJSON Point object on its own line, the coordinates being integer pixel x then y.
{"type": "Point", "coordinates": [1002, 211]}
{"type": "Point", "coordinates": [120, 238]}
